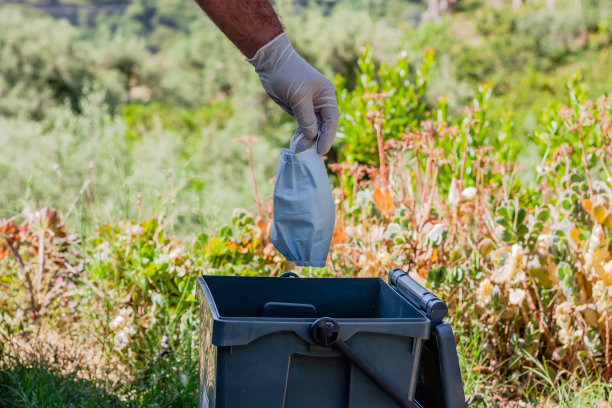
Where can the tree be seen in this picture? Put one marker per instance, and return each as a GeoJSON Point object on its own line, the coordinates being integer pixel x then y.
{"type": "Point", "coordinates": [435, 7]}
{"type": "Point", "coordinates": [433, 10]}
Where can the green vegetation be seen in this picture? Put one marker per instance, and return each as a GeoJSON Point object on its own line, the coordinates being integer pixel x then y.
{"type": "Point", "coordinates": [158, 90]}
{"type": "Point", "coordinates": [33, 381]}
{"type": "Point", "coordinates": [474, 153]}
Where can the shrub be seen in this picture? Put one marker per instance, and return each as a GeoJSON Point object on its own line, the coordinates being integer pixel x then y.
{"type": "Point", "coordinates": [42, 63]}
{"type": "Point", "coordinates": [391, 93]}
{"type": "Point", "coordinates": [528, 262]}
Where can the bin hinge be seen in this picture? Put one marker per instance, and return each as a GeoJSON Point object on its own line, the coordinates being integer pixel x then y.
{"type": "Point", "coordinates": [418, 296]}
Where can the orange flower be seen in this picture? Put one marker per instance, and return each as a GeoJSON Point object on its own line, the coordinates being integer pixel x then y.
{"type": "Point", "coordinates": [384, 201]}
{"type": "Point", "coordinates": [9, 234]}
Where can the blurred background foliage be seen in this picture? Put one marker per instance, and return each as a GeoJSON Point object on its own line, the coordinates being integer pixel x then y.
{"type": "Point", "coordinates": [122, 99]}
{"type": "Point", "coordinates": [127, 99]}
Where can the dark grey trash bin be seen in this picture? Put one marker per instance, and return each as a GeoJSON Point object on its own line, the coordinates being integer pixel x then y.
{"type": "Point", "coordinates": [258, 348]}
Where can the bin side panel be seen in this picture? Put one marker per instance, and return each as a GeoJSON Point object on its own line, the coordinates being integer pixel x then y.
{"type": "Point", "coordinates": [317, 381]}
{"type": "Point", "coordinates": [394, 357]}
{"type": "Point", "coordinates": [208, 355]}
{"type": "Point", "coordinates": [281, 370]}
{"type": "Point", "coordinates": [439, 383]}
{"type": "Point", "coordinates": [451, 371]}
{"type": "Point", "coordinates": [255, 375]}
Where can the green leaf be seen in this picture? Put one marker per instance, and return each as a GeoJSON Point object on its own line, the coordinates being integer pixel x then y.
{"type": "Point", "coordinates": [543, 215]}
{"type": "Point", "coordinates": [521, 231]}
{"type": "Point", "coordinates": [537, 227]}
{"type": "Point", "coordinates": [506, 236]}
{"type": "Point", "coordinates": [458, 274]}
{"type": "Point", "coordinates": [225, 232]}
{"type": "Point", "coordinates": [520, 216]}
{"type": "Point", "coordinates": [566, 204]}
{"type": "Point", "coordinates": [436, 275]}
{"type": "Point", "coordinates": [502, 221]}
{"type": "Point", "coordinates": [503, 211]}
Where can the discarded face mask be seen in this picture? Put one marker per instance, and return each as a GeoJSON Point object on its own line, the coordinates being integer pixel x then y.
{"type": "Point", "coordinates": [304, 212]}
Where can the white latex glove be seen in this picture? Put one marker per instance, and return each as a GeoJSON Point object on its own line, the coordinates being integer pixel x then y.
{"type": "Point", "coordinates": [302, 91]}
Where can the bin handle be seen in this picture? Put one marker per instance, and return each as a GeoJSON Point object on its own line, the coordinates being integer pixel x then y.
{"type": "Point", "coordinates": [289, 275]}
{"type": "Point", "coordinates": [434, 308]}
{"type": "Point", "coordinates": [326, 332]}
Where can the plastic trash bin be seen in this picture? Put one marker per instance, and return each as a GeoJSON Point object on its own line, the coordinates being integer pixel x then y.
{"type": "Point", "coordinates": [259, 344]}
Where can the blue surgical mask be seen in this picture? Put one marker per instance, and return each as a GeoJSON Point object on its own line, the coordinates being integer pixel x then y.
{"type": "Point", "coordinates": [304, 212]}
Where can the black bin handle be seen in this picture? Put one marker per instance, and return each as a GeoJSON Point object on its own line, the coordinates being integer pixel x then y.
{"type": "Point", "coordinates": [434, 308]}
{"type": "Point", "coordinates": [326, 332]}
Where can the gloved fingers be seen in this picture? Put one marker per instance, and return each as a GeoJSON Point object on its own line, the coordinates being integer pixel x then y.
{"type": "Point", "coordinates": [325, 96]}
{"type": "Point", "coordinates": [305, 115]}
{"type": "Point", "coordinates": [326, 108]}
{"type": "Point", "coordinates": [328, 125]}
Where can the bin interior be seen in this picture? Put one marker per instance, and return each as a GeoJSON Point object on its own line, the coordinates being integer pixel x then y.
{"type": "Point", "coordinates": [307, 298]}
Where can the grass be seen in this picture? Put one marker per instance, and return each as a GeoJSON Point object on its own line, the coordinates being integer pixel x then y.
{"type": "Point", "coordinates": [36, 382]}
{"type": "Point", "coordinates": [172, 381]}
{"type": "Point", "coordinates": [535, 386]}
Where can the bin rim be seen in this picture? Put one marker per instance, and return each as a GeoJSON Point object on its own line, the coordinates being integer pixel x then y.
{"type": "Point", "coordinates": [242, 330]}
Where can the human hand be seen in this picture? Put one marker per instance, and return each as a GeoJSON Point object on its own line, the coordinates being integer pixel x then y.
{"type": "Point", "coordinates": [301, 91]}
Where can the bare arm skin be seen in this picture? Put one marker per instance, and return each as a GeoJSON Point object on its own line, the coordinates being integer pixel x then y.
{"type": "Point", "coordinates": [249, 24]}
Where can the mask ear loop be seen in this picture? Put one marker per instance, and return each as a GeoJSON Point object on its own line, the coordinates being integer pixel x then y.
{"type": "Point", "coordinates": [295, 141]}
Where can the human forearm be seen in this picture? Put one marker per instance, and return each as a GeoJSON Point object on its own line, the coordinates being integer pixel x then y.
{"type": "Point", "coordinates": [249, 24]}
